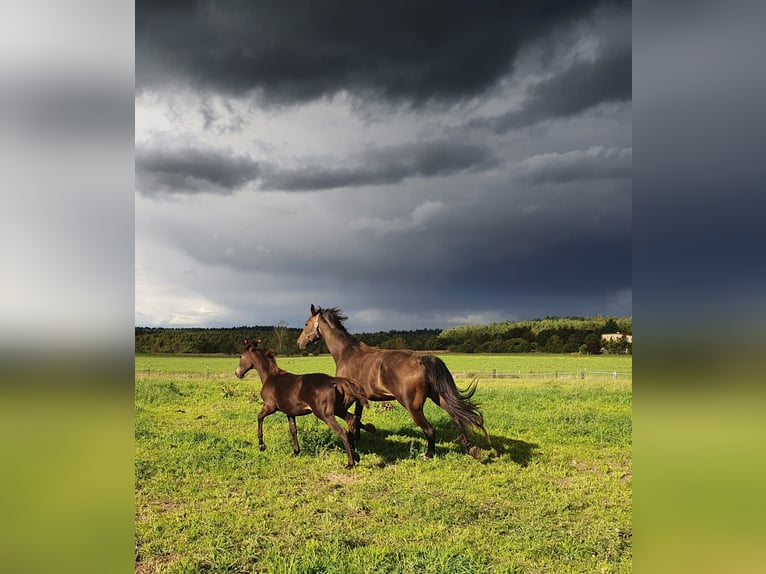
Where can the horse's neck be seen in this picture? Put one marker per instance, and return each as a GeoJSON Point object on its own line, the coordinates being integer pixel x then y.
{"type": "Point", "coordinates": [338, 342]}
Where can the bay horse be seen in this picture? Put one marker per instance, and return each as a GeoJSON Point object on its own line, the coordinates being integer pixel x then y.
{"type": "Point", "coordinates": [404, 375]}
{"type": "Point", "coordinates": [296, 395]}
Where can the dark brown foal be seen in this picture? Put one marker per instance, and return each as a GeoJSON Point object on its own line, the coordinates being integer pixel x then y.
{"type": "Point", "coordinates": [296, 395]}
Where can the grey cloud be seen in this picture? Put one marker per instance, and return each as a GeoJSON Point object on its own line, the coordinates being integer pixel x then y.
{"type": "Point", "coordinates": [595, 163]}
{"type": "Point", "coordinates": [287, 53]}
{"type": "Point", "coordinates": [191, 169]}
{"type": "Point", "coordinates": [438, 249]}
{"type": "Point", "coordinates": [220, 121]}
{"type": "Point", "coordinates": [385, 165]}
{"type": "Point", "coordinates": [514, 247]}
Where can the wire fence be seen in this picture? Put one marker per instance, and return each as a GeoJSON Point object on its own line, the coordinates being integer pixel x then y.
{"type": "Point", "coordinates": [579, 374]}
{"type": "Point", "coordinates": [149, 371]}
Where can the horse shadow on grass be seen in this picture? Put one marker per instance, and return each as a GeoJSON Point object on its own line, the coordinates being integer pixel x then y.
{"type": "Point", "coordinates": [389, 446]}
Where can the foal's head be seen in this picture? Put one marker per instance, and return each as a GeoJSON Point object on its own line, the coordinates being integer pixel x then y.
{"type": "Point", "coordinates": [253, 357]}
{"type": "Point", "coordinates": [248, 357]}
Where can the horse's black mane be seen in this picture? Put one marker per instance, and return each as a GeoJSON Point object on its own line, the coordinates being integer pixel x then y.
{"type": "Point", "coordinates": [335, 316]}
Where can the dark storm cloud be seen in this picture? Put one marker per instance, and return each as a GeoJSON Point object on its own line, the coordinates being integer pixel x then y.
{"type": "Point", "coordinates": [191, 169]}
{"type": "Point", "coordinates": [398, 51]}
{"type": "Point", "coordinates": [472, 223]}
{"type": "Point", "coordinates": [386, 165]}
{"type": "Point", "coordinates": [582, 86]}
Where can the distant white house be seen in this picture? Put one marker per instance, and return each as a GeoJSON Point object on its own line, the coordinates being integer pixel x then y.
{"type": "Point", "coordinates": [606, 337]}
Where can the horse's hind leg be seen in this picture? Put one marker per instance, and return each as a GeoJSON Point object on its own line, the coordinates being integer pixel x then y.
{"type": "Point", "coordinates": [474, 451]}
{"type": "Point", "coordinates": [428, 430]}
{"type": "Point", "coordinates": [294, 432]}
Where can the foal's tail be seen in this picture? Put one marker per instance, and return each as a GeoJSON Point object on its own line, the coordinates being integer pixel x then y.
{"type": "Point", "coordinates": [457, 403]}
{"type": "Point", "coordinates": [351, 390]}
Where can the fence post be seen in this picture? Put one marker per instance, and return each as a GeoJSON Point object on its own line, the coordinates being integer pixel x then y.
{"type": "Point", "coordinates": [614, 375]}
{"type": "Point", "coordinates": [494, 373]}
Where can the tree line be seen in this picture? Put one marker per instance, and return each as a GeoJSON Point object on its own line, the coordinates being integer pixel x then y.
{"type": "Point", "coordinates": [548, 335]}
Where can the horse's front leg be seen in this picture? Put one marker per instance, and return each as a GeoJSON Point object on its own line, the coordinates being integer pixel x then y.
{"type": "Point", "coordinates": [294, 432]}
{"type": "Point", "coordinates": [356, 424]}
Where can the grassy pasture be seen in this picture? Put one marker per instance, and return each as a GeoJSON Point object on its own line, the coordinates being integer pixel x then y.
{"type": "Point", "coordinates": [553, 493]}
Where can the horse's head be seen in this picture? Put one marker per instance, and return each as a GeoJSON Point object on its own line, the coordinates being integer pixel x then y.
{"type": "Point", "coordinates": [247, 358]}
{"type": "Point", "coordinates": [310, 329]}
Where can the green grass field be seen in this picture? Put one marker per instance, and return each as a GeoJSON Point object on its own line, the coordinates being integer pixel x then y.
{"type": "Point", "coordinates": [553, 493]}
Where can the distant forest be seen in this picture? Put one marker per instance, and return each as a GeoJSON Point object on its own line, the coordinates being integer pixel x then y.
{"type": "Point", "coordinates": [549, 335]}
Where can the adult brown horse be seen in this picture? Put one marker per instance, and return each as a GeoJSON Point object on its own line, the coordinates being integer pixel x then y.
{"type": "Point", "coordinates": [403, 375]}
{"type": "Point", "coordinates": [296, 395]}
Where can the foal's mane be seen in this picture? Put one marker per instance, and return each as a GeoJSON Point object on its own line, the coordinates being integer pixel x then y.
{"type": "Point", "coordinates": [273, 367]}
{"type": "Point", "coordinates": [268, 354]}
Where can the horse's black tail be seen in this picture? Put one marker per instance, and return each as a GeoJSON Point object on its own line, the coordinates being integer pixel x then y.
{"type": "Point", "coordinates": [457, 403]}
{"type": "Point", "coordinates": [351, 390]}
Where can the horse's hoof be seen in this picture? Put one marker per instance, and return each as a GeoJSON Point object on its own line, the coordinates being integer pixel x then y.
{"type": "Point", "coordinates": [369, 427]}
{"type": "Point", "coordinates": [427, 456]}
{"type": "Point", "coordinates": [475, 452]}
{"type": "Point", "coordinates": [262, 447]}
{"type": "Point", "coordinates": [296, 452]}
{"type": "Point", "coordinates": [349, 466]}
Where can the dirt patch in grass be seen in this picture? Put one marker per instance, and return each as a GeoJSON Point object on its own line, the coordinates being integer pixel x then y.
{"type": "Point", "coordinates": [156, 507]}
{"type": "Point", "coordinates": [338, 478]}
{"type": "Point", "coordinates": [151, 565]}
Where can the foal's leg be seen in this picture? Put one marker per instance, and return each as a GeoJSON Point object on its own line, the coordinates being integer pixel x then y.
{"type": "Point", "coordinates": [351, 422]}
{"type": "Point", "coordinates": [294, 432]}
{"type": "Point", "coordinates": [265, 411]}
{"type": "Point", "coordinates": [337, 429]}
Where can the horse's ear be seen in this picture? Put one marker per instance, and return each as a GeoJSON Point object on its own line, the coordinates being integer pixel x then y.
{"type": "Point", "coordinates": [314, 310]}
{"type": "Point", "coordinates": [256, 343]}
{"type": "Point", "coordinates": [245, 342]}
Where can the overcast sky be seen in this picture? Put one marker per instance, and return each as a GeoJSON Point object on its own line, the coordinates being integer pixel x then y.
{"type": "Point", "coordinates": [416, 164]}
